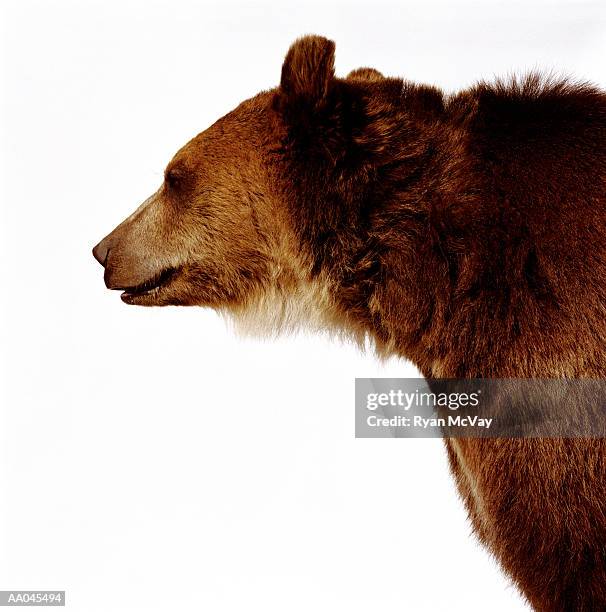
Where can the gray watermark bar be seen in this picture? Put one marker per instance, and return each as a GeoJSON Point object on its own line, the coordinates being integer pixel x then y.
{"type": "Point", "coordinates": [480, 408]}
{"type": "Point", "coordinates": [32, 598]}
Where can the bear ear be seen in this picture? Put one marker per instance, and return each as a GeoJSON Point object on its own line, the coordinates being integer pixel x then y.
{"type": "Point", "coordinates": [308, 72]}
{"type": "Point", "coordinates": [365, 74]}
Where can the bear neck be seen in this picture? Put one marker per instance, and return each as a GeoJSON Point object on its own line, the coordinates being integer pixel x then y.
{"type": "Point", "coordinates": [372, 225]}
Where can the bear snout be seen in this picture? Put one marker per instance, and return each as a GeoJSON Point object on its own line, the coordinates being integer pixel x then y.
{"type": "Point", "coordinates": [101, 254]}
{"type": "Point", "coordinates": [126, 267]}
{"type": "Point", "coordinates": [100, 251]}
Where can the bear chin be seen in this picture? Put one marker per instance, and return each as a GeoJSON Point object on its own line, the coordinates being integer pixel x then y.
{"type": "Point", "coordinates": [274, 312]}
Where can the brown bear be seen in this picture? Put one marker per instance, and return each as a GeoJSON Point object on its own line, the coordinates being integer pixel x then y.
{"type": "Point", "coordinates": [464, 232]}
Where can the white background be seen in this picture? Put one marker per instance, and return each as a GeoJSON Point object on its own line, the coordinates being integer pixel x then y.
{"type": "Point", "coordinates": [149, 459]}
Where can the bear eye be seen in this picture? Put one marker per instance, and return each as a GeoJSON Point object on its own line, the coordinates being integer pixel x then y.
{"type": "Point", "coordinates": [174, 177]}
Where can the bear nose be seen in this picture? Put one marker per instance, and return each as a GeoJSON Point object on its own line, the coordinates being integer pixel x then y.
{"type": "Point", "coordinates": [101, 251]}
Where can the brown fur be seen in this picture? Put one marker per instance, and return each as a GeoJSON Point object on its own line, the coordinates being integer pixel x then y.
{"type": "Point", "coordinates": [466, 233]}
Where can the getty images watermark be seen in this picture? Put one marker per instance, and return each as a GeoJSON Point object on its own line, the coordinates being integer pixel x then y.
{"type": "Point", "coordinates": [32, 598]}
{"type": "Point", "coordinates": [480, 408]}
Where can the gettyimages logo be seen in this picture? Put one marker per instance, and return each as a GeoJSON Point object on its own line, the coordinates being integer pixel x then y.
{"type": "Point", "coordinates": [480, 408]}
{"type": "Point", "coordinates": [406, 400]}
{"type": "Point", "coordinates": [415, 403]}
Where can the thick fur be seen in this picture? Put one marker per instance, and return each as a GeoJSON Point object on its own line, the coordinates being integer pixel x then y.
{"type": "Point", "coordinates": [466, 233]}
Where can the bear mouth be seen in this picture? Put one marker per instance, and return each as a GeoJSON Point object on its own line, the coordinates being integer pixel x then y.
{"type": "Point", "coordinates": [149, 288]}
